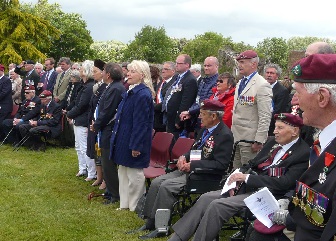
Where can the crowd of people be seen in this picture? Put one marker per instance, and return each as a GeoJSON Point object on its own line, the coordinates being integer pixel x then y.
{"type": "Point", "coordinates": [114, 109]}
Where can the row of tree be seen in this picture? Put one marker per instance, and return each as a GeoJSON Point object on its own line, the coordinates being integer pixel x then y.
{"type": "Point", "coordinates": [37, 31]}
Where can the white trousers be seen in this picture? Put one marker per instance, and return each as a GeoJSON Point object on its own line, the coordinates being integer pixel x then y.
{"type": "Point", "coordinates": [131, 186]}
{"type": "Point", "coordinates": [84, 162]}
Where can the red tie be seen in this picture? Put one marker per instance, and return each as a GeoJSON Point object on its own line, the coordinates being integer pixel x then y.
{"type": "Point", "coordinates": [269, 160]}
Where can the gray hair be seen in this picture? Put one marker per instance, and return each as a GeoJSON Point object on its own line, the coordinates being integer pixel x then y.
{"type": "Point", "coordinates": [196, 67]}
{"type": "Point", "coordinates": [75, 74]}
{"type": "Point", "coordinates": [65, 60]}
{"type": "Point", "coordinates": [312, 88]}
{"type": "Point", "coordinates": [142, 67]}
{"type": "Point", "coordinates": [219, 113]}
{"type": "Point", "coordinates": [255, 60]}
{"type": "Point", "coordinates": [171, 64]}
{"type": "Point", "coordinates": [40, 65]}
{"type": "Point", "coordinates": [87, 67]}
{"type": "Point", "coordinates": [274, 66]}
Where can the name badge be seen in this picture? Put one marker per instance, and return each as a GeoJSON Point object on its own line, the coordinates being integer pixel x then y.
{"type": "Point", "coordinates": [195, 155]}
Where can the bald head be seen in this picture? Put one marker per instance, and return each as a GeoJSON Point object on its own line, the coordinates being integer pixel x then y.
{"type": "Point", "coordinates": [319, 48]}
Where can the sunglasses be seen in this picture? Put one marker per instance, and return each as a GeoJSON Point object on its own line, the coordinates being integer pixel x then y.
{"type": "Point", "coordinates": [220, 81]}
{"type": "Point", "coordinates": [26, 93]}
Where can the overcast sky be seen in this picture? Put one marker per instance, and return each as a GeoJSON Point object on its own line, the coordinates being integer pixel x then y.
{"type": "Point", "coordinates": [247, 21]}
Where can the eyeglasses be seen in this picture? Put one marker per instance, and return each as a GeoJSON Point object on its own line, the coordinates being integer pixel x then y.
{"type": "Point", "coordinates": [166, 69]}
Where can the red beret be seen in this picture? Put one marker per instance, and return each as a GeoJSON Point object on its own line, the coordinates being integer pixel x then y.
{"type": "Point", "coordinates": [316, 68]}
{"type": "Point", "coordinates": [214, 105]}
{"type": "Point", "coordinates": [29, 87]}
{"type": "Point", "coordinates": [290, 119]}
{"type": "Point", "coordinates": [2, 68]}
{"type": "Point", "coordinates": [248, 54]}
{"type": "Point", "coordinates": [45, 93]}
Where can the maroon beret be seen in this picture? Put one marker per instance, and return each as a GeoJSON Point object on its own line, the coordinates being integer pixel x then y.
{"type": "Point", "coordinates": [29, 87]}
{"type": "Point", "coordinates": [248, 54]}
{"type": "Point", "coordinates": [316, 68]}
{"type": "Point", "coordinates": [2, 68]}
{"type": "Point", "coordinates": [214, 105]}
{"type": "Point", "coordinates": [99, 64]}
{"type": "Point", "coordinates": [290, 119]}
{"type": "Point", "coordinates": [45, 93]}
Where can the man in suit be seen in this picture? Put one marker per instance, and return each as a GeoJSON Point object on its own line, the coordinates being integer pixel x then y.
{"type": "Point", "coordinates": [281, 161]}
{"type": "Point", "coordinates": [29, 75]}
{"type": "Point", "coordinates": [30, 109]}
{"type": "Point", "coordinates": [168, 72]}
{"type": "Point", "coordinates": [49, 122]}
{"type": "Point", "coordinates": [180, 96]}
{"type": "Point", "coordinates": [316, 91]}
{"type": "Point", "coordinates": [6, 102]}
{"type": "Point", "coordinates": [280, 98]}
{"type": "Point", "coordinates": [103, 125]}
{"type": "Point", "coordinates": [48, 78]}
{"type": "Point", "coordinates": [204, 92]}
{"type": "Point", "coordinates": [215, 143]}
{"type": "Point", "coordinates": [252, 109]}
{"type": "Point", "coordinates": [62, 80]}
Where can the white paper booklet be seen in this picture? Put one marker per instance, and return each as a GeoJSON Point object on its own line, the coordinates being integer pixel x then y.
{"type": "Point", "coordinates": [263, 205]}
{"type": "Point", "coordinates": [232, 185]}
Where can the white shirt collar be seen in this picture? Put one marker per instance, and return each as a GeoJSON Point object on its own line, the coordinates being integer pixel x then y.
{"type": "Point", "coordinates": [327, 135]}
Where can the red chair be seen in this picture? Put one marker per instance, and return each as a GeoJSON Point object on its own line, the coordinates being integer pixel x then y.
{"type": "Point", "coordinates": [160, 154]}
{"type": "Point", "coordinates": [14, 111]}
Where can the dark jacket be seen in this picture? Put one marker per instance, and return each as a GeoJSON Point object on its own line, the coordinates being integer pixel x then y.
{"type": "Point", "coordinates": [107, 109]}
{"type": "Point", "coordinates": [306, 230]}
{"type": "Point", "coordinates": [6, 102]}
{"type": "Point", "coordinates": [181, 100]}
{"type": "Point", "coordinates": [91, 139]}
{"type": "Point", "coordinates": [294, 165]}
{"type": "Point", "coordinates": [133, 128]}
{"type": "Point", "coordinates": [32, 79]}
{"type": "Point", "coordinates": [216, 151]}
{"type": "Point", "coordinates": [51, 115]}
{"type": "Point", "coordinates": [30, 109]}
{"type": "Point", "coordinates": [79, 113]}
{"type": "Point", "coordinates": [51, 81]}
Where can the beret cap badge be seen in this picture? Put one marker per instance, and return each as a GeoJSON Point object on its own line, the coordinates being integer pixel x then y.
{"type": "Point", "coordinates": [297, 71]}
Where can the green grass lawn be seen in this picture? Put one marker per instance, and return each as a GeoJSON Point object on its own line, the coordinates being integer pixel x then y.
{"type": "Point", "coordinates": [42, 199]}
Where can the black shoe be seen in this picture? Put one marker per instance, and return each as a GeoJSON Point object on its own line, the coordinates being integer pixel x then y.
{"type": "Point", "coordinates": [110, 201]}
{"type": "Point", "coordinates": [142, 228]}
{"type": "Point", "coordinates": [153, 234]}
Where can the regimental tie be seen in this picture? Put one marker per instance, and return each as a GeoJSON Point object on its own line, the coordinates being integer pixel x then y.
{"type": "Point", "coordinates": [269, 161]}
{"type": "Point", "coordinates": [46, 81]}
{"type": "Point", "coordinates": [242, 85]}
{"type": "Point", "coordinates": [315, 151]}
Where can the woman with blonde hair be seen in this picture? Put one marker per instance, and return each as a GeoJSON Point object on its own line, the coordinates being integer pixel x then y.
{"type": "Point", "coordinates": [132, 134]}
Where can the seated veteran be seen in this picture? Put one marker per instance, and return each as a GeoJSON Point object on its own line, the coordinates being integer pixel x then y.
{"type": "Point", "coordinates": [313, 204]}
{"type": "Point", "coordinates": [215, 143]}
{"type": "Point", "coordinates": [280, 162]}
{"type": "Point", "coordinates": [48, 122]}
{"type": "Point", "coordinates": [29, 110]}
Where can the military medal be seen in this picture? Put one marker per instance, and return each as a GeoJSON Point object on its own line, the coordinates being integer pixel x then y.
{"type": "Point", "coordinates": [328, 160]}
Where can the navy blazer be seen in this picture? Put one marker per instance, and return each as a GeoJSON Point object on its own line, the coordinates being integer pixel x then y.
{"type": "Point", "coordinates": [107, 109]}
{"type": "Point", "coordinates": [51, 116]}
{"type": "Point", "coordinates": [79, 113]}
{"type": "Point", "coordinates": [133, 128]}
{"type": "Point", "coordinates": [216, 151]}
{"type": "Point", "coordinates": [6, 102]}
{"type": "Point", "coordinates": [34, 77]}
{"type": "Point", "coordinates": [51, 80]}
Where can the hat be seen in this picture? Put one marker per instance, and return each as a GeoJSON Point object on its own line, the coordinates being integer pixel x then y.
{"type": "Point", "coordinates": [248, 54]}
{"type": "Point", "coordinates": [214, 105]}
{"type": "Point", "coordinates": [290, 119]}
{"type": "Point", "coordinates": [30, 61]}
{"type": "Point", "coordinates": [29, 87]}
{"type": "Point", "coordinates": [99, 64]}
{"type": "Point", "coordinates": [316, 68]}
{"type": "Point", "coordinates": [45, 93]}
{"type": "Point", "coordinates": [2, 68]}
